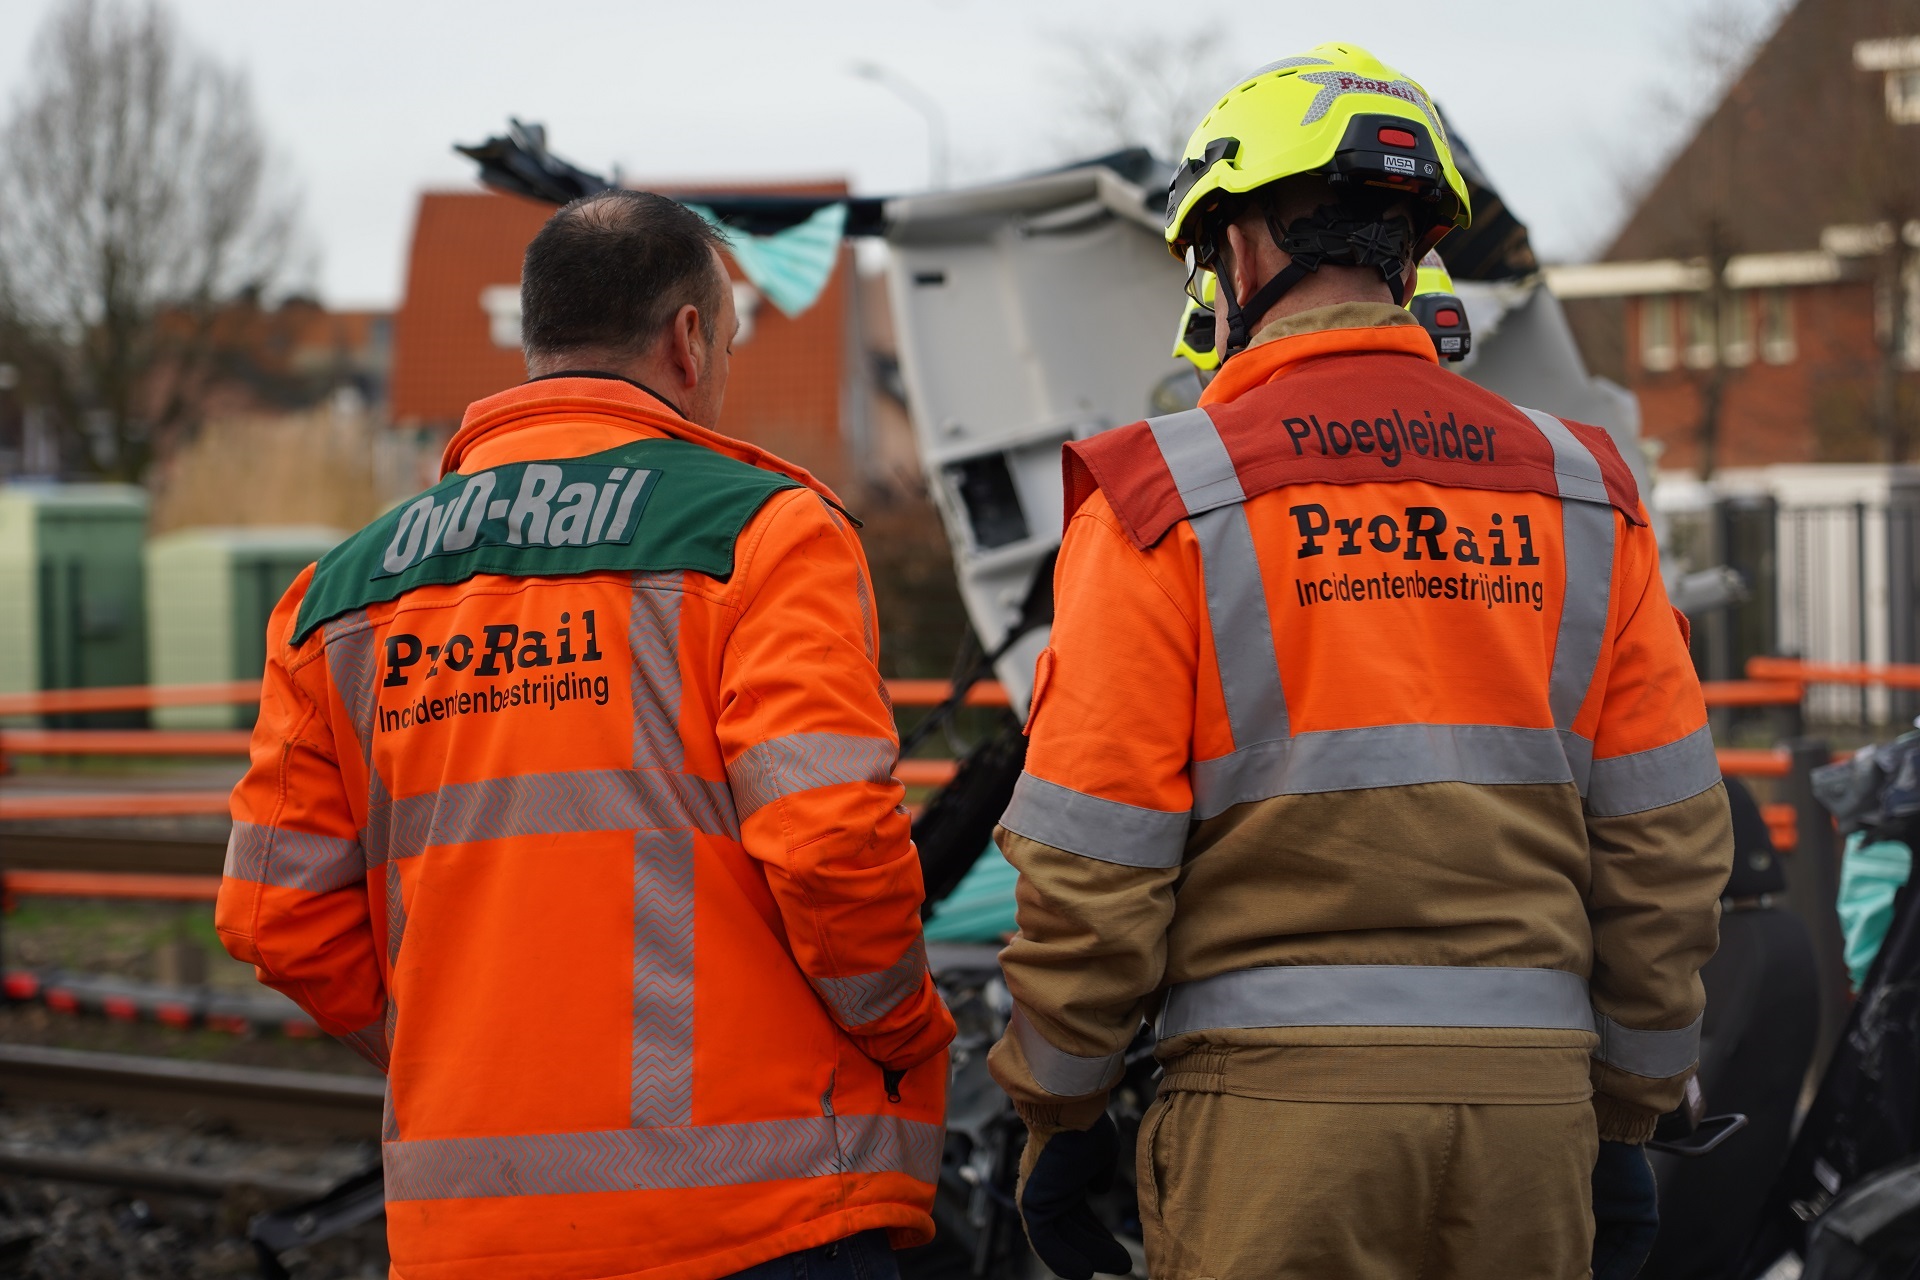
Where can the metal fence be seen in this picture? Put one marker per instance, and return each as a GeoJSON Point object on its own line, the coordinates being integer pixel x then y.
{"type": "Point", "coordinates": [1828, 583]}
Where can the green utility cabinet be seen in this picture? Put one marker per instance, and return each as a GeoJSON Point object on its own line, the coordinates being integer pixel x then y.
{"type": "Point", "coordinates": [209, 594]}
{"type": "Point", "coordinates": [72, 613]}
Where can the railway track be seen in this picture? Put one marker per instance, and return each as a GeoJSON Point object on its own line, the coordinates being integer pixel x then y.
{"type": "Point", "coordinates": [267, 1101]}
{"type": "Point", "coordinates": [110, 852]}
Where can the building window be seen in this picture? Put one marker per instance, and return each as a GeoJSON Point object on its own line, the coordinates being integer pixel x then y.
{"type": "Point", "coordinates": [1736, 329]}
{"type": "Point", "coordinates": [1903, 96]}
{"type": "Point", "coordinates": [1656, 333]}
{"type": "Point", "coordinates": [1702, 343]}
{"type": "Point", "coordinates": [1776, 327]}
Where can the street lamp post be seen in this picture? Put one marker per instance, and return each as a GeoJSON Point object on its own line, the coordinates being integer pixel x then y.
{"type": "Point", "coordinates": [929, 111]}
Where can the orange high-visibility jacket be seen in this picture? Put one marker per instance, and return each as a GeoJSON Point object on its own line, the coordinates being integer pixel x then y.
{"type": "Point", "coordinates": [571, 805]}
{"type": "Point", "coordinates": [1366, 759]}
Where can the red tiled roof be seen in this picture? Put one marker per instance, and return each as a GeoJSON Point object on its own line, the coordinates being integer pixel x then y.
{"type": "Point", "coordinates": [784, 392]}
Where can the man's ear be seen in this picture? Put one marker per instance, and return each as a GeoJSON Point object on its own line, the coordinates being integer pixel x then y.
{"type": "Point", "coordinates": [686, 351]}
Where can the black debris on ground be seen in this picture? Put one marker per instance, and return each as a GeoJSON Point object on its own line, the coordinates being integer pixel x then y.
{"type": "Point", "coordinates": [58, 1230]}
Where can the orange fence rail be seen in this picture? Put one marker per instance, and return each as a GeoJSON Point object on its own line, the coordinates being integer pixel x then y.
{"type": "Point", "coordinates": [1753, 693]}
{"type": "Point", "coordinates": [1752, 762]}
{"type": "Point", "coordinates": [1890, 675]}
{"type": "Point", "coordinates": [109, 884]}
{"type": "Point", "coordinates": [112, 804]}
{"type": "Point", "coordinates": [1783, 824]}
{"type": "Point", "coordinates": [931, 693]}
{"type": "Point", "coordinates": [124, 742]}
{"type": "Point", "coordinates": [130, 697]}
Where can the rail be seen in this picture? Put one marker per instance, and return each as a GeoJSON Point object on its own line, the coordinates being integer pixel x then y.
{"type": "Point", "coordinates": [260, 1099]}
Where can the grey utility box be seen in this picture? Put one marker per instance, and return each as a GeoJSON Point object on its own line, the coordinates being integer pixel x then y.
{"type": "Point", "coordinates": [209, 593]}
{"type": "Point", "coordinates": [72, 613]}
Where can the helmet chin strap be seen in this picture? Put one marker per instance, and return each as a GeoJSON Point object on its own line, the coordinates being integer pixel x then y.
{"type": "Point", "coordinates": [1329, 234]}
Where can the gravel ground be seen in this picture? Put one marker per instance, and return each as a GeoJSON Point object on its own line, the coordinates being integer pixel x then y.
{"type": "Point", "coordinates": [64, 1231]}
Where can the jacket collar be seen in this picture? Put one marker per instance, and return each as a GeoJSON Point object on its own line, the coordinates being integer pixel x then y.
{"type": "Point", "coordinates": [1347, 328]}
{"type": "Point", "coordinates": [605, 402]}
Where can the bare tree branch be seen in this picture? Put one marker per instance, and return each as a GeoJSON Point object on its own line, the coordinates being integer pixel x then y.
{"type": "Point", "coordinates": [1142, 90]}
{"type": "Point", "coordinates": [134, 203]}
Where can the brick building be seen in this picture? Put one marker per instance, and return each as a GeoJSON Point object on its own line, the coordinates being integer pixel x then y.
{"type": "Point", "coordinates": [1763, 300]}
{"type": "Point", "coordinates": [798, 385]}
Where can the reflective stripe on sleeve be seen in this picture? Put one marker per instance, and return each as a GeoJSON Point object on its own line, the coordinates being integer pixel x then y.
{"type": "Point", "coordinates": [1390, 755]}
{"type": "Point", "coordinates": [1242, 627]}
{"type": "Point", "coordinates": [293, 859]}
{"type": "Point", "coordinates": [1197, 458]}
{"type": "Point", "coordinates": [1093, 827]}
{"type": "Point", "coordinates": [600, 1160]}
{"type": "Point", "coordinates": [1657, 1055]}
{"type": "Point", "coordinates": [860, 999]}
{"type": "Point", "coordinates": [1063, 1074]}
{"type": "Point", "coordinates": [782, 766]}
{"type": "Point", "coordinates": [1382, 995]}
{"type": "Point", "coordinates": [1655, 778]}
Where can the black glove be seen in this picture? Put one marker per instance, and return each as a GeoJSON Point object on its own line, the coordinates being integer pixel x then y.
{"type": "Point", "coordinates": [1060, 1220]}
{"type": "Point", "coordinates": [1626, 1211]}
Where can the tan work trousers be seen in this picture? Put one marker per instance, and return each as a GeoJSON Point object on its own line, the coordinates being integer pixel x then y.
{"type": "Point", "coordinates": [1235, 1188]}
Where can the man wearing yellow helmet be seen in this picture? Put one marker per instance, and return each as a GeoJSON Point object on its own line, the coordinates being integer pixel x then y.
{"type": "Point", "coordinates": [1366, 759]}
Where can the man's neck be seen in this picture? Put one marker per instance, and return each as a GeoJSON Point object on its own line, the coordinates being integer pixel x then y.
{"type": "Point", "coordinates": [609, 374]}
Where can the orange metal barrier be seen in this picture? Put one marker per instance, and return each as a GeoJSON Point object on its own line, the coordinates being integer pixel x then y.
{"type": "Point", "coordinates": [1890, 675]}
{"type": "Point", "coordinates": [131, 697]}
{"type": "Point", "coordinates": [1754, 763]}
{"type": "Point", "coordinates": [113, 804]}
{"type": "Point", "coordinates": [931, 693]}
{"type": "Point", "coordinates": [1753, 693]}
{"type": "Point", "coordinates": [124, 742]}
{"type": "Point", "coordinates": [926, 773]}
{"type": "Point", "coordinates": [1783, 824]}
{"type": "Point", "coordinates": [106, 884]}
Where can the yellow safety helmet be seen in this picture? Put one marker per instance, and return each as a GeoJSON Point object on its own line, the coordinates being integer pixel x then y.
{"type": "Point", "coordinates": [1335, 110]}
{"type": "Point", "coordinates": [1439, 311]}
{"type": "Point", "coordinates": [1194, 342]}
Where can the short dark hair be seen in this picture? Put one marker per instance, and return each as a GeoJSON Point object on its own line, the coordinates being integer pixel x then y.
{"type": "Point", "coordinates": [608, 272]}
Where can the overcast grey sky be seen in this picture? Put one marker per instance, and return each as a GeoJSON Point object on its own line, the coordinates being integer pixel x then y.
{"type": "Point", "coordinates": [365, 97]}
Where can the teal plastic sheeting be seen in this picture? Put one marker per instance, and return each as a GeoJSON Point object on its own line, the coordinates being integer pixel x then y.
{"type": "Point", "coordinates": [980, 909]}
{"type": "Point", "coordinates": [790, 267]}
{"type": "Point", "coordinates": [1870, 876]}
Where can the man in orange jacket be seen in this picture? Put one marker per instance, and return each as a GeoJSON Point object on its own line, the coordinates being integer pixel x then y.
{"type": "Point", "coordinates": [1366, 760]}
{"type": "Point", "coordinates": [571, 807]}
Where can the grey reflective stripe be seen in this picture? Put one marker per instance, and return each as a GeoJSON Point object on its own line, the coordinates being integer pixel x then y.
{"type": "Point", "coordinates": [1198, 460]}
{"type": "Point", "coordinates": [396, 918]}
{"type": "Point", "coordinates": [1389, 755]}
{"type": "Point", "coordinates": [1587, 538]}
{"type": "Point", "coordinates": [1657, 1055]}
{"type": "Point", "coordinates": [1655, 778]}
{"type": "Point", "coordinates": [1579, 757]}
{"type": "Point", "coordinates": [1105, 830]}
{"type": "Point", "coordinates": [1574, 466]}
{"type": "Point", "coordinates": [370, 1042]}
{"type": "Point", "coordinates": [353, 667]}
{"type": "Point", "coordinates": [550, 804]}
{"type": "Point", "coordinates": [1378, 995]}
{"type": "Point", "coordinates": [782, 766]}
{"type": "Point", "coordinates": [1242, 627]}
{"type": "Point", "coordinates": [1066, 1075]}
{"type": "Point", "coordinates": [859, 1000]}
{"type": "Point", "coordinates": [293, 859]}
{"type": "Point", "coordinates": [661, 1086]}
{"type": "Point", "coordinates": [601, 1160]}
